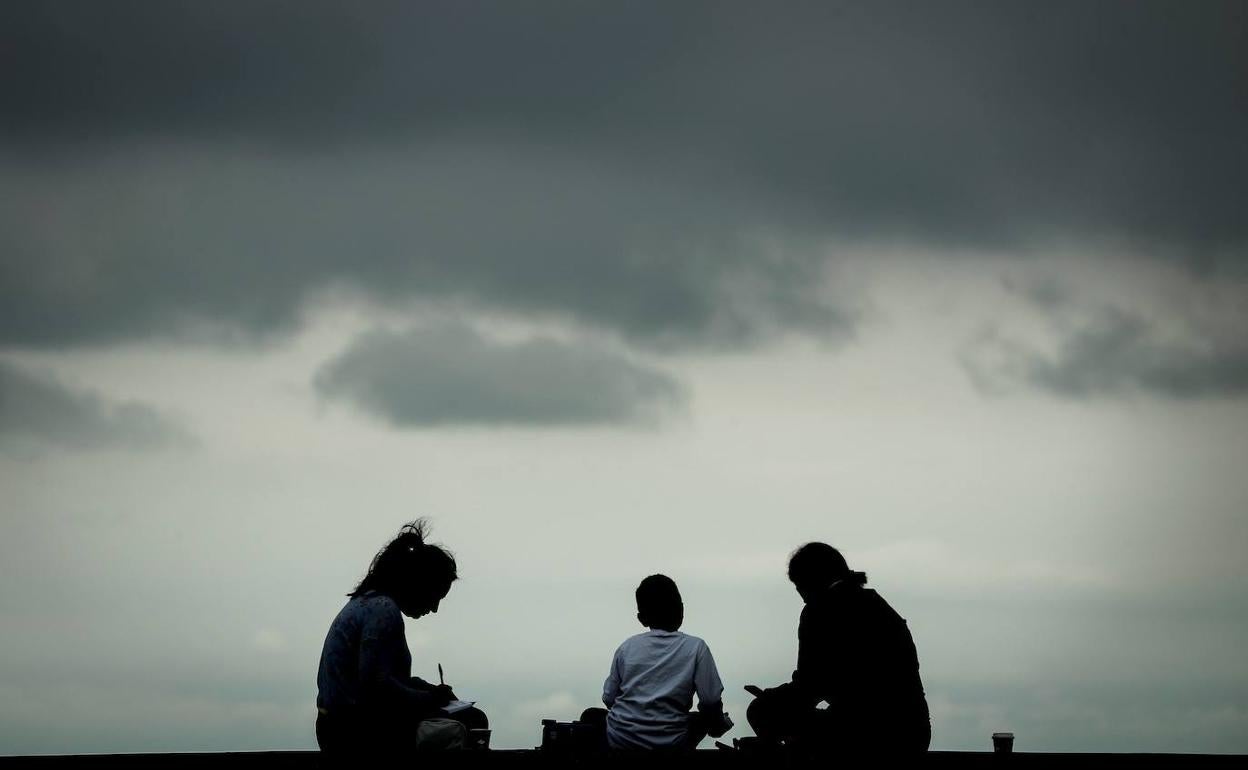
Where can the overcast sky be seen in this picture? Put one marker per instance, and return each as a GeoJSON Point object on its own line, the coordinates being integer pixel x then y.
{"type": "Point", "coordinates": [614, 289]}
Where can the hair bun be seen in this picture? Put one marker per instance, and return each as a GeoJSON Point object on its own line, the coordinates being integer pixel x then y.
{"type": "Point", "coordinates": [418, 529]}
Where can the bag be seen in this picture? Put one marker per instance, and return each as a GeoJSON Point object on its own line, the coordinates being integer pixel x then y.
{"type": "Point", "coordinates": [572, 737]}
{"type": "Point", "coordinates": [441, 735]}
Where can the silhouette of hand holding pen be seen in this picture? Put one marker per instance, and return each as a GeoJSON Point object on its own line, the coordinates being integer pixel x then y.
{"type": "Point", "coordinates": [444, 693]}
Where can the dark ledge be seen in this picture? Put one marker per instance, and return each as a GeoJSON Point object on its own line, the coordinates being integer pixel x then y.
{"type": "Point", "coordinates": [519, 759]}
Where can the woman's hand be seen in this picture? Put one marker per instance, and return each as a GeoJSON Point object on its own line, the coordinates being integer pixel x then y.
{"type": "Point", "coordinates": [443, 694]}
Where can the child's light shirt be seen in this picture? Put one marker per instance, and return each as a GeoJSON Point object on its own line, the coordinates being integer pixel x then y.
{"type": "Point", "coordinates": [650, 689]}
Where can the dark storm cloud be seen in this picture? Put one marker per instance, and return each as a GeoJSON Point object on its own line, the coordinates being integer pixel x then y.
{"type": "Point", "coordinates": [449, 375]}
{"type": "Point", "coordinates": [161, 242]}
{"type": "Point", "coordinates": [37, 409]}
{"type": "Point", "coordinates": [1115, 353]}
{"type": "Point", "coordinates": [174, 163]}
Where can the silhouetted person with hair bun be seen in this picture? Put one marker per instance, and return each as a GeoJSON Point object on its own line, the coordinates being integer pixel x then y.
{"type": "Point", "coordinates": [368, 703]}
{"type": "Point", "coordinates": [855, 652]}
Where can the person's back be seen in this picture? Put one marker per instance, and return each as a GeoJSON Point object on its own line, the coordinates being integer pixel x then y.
{"type": "Point", "coordinates": [854, 652]}
{"type": "Point", "coordinates": [372, 623]}
{"type": "Point", "coordinates": [857, 653]}
{"type": "Point", "coordinates": [655, 675]}
{"type": "Point", "coordinates": [650, 690]}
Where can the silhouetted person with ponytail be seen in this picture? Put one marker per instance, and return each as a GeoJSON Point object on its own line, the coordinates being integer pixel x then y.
{"type": "Point", "coordinates": [855, 652]}
{"type": "Point", "coordinates": [368, 703]}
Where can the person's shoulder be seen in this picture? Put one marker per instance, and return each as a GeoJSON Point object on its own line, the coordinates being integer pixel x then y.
{"type": "Point", "coordinates": [376, 604]}
{"type": "Point", "coordinates": [625, 648]}
{"type": "Point", "coordinates": [347, 614]}
{"type": "Point", "coordinates": [635, 640]}
{"type": "Point", "coordinates": [810, 609]}
{"type": "Point", "coordinates": [624, 643]}
{"type": "Point", "coordinates": [697, 645]}
{"type": "Point", "coordinates": [872, 599]}
{"type": "Point", "coordinates": [691, 640]}
{"type": "Point", "coordinates": [822, 609]}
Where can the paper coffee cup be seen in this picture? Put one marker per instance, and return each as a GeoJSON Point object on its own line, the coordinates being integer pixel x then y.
{"type": "Point", "coordinates": [1003, 743]}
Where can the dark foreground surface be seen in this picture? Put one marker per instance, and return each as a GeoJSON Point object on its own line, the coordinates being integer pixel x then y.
{"type": "Point", "coordinates": [702, 760]}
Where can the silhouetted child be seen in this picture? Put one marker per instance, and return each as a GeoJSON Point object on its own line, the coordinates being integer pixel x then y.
{"type": "Point", "coordinates": [654, 676]}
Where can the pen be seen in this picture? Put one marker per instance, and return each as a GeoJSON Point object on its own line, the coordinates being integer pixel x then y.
{"type": "Point", "coordinates": [441, 679]}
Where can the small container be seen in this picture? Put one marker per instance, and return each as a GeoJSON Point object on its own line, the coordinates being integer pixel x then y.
{"type": "Point", "coordinates": [479, 739]}
{"type": "Point", "coordinates": [1003, 743]}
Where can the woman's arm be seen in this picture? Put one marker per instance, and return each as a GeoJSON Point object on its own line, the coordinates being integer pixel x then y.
{"type": "Point", "coordinates": [383, 667]}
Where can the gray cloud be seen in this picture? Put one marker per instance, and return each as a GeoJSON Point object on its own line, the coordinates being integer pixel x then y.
{"type": "Point", "coordinates": [166, 242]}
{"type": "Point", "coordinates": [37, 409]}
{"type": "Point", "coordinates": [176, 164]}
{"type": "Point", "coordinates": [451, 375]}
{"type": "Point", "coordinates": [1116, 352]}
{"type": "Point", "coordinates": [970, 115]}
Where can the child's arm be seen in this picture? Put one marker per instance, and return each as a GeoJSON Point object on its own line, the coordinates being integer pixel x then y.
{"type": "Point", "coordinates": [711, 719]}
{"type": "Point", "coordinates": [710, 690]}
{"type": "Point", "coordinates": [611, 687]}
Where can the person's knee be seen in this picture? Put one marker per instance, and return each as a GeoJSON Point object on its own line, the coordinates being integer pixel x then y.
{"type": "Point", "coordinates": [594, 715]}
{"type": "Point", "coordinates": [472, 718]}
{"type": "Point", "coordinates": [761, 714]}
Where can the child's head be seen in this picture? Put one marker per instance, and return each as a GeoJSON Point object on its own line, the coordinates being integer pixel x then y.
{"type": "Point", "coordinates": [659, 604]}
